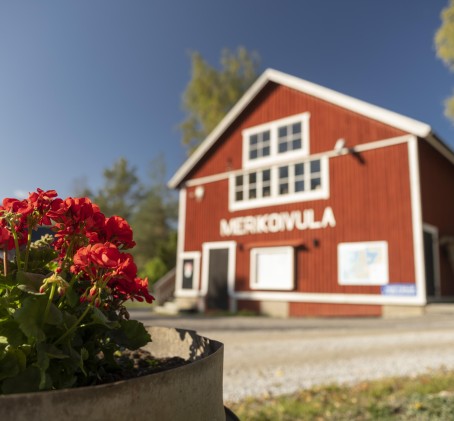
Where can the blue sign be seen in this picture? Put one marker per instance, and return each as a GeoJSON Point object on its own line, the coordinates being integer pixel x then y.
{"type": "Point", "coordinates": [402, 290]}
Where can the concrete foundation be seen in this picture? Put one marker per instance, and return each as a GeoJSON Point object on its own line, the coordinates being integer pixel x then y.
{"type": "Point", "coordinates": [390, 311]}
{"type": "Point", "coordinates": [275, 308]}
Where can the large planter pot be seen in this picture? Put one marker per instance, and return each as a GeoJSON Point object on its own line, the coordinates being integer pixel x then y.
{"type": "Point", "coordinates": [189, 392]}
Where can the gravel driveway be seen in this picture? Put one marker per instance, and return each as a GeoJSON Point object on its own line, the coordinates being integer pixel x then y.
{"type": "Point", "coordinates": [265, 356]}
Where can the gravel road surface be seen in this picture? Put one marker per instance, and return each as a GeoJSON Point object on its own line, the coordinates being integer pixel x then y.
{"type": "Point", "coordinates": [266, 356]}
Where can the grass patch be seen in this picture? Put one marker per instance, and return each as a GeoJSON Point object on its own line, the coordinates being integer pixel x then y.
{"type": "Point", "coordinates": [426, 397]}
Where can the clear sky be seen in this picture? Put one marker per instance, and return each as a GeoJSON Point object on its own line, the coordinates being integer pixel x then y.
{"type": "Point", "coordinates": [83, 83]}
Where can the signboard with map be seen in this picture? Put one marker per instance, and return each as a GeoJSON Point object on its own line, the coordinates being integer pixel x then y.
{"type": "Point", "coordinates": [364, 263]}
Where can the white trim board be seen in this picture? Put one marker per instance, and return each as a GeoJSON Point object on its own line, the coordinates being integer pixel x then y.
{"type": "Point", "coordinates": [180, 244]}
{"type": "Point", "coordinates": [416, 218]}
{"type": "Point", "coordinates": [270, 75]}
{"type": "Point", "coordinates": [301, 297]}
{"type": "Point", "coordinates": [329, 154]}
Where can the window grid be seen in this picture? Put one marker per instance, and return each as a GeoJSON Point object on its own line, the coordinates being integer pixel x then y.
{"type": "Point", "coordinates": [282, 180]}
{"type": "Point", "coordinates": [253, 185]}
{"type": "Point", "coordinates": [289, 138]}
{"type": "Point", "coordinates": [279, 139]}
{"type": "Point", "coordinates": [259, 145]}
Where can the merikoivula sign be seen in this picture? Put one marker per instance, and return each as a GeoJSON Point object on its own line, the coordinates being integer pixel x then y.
{"type": "Point", "coordinates": [276, 222]}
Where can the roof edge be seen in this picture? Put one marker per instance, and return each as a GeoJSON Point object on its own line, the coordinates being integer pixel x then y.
{"type": "Point", "coordinates": [371, 111]}
{"type": "Point", "coordinates": [247, 97]}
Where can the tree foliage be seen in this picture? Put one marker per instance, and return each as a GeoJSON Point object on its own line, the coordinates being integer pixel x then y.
{"type": "Point", "coordinates": [211, 93]}
{"type": "Point", "coordinates": [121, 192]}
{"type": "Point", "coordinates": [444, 45]}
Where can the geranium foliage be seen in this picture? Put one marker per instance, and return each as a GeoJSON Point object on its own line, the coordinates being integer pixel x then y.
{"type": "Point", "coordinates": [62, 314]}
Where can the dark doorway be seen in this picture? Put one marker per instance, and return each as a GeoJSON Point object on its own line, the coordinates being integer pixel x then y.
{"type": "Point", "coordinates": [429, 263]}
{"type": "Point", "coordinates": [218, 266]}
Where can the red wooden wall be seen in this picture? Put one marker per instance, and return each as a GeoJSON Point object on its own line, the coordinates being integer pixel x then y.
{"type": "Point", "coordinates": [437, 195]}
{"type": "Point", "coordinates": [370, 198]}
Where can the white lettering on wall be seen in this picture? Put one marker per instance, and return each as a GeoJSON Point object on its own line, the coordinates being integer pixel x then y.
{"type": "Point", "coordinates": [276, 222]}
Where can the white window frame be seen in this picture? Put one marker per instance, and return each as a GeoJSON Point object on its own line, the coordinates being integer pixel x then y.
{"type": "Point", "coordinates": [275, 198]}
{"type": "Point", "coordinates": [186, 292]}
{"type": "Point", "coordinates": [289, 283]}
{"type": "Point", "coordinates": [273, 127]}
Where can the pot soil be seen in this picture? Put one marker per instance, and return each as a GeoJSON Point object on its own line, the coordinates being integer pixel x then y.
{"type": "Point", "coordinates": [192, 391]}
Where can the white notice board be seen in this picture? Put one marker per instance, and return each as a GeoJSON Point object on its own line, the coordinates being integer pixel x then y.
{"type": "Point", "coordinates": [364, 263]}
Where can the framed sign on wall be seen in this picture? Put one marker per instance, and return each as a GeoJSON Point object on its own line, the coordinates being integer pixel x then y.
{"type": "Point", "coordinates": [363, 263]}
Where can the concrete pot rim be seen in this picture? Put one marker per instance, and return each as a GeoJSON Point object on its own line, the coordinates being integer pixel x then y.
{"type": "Point", "coordinates": [196, 387]}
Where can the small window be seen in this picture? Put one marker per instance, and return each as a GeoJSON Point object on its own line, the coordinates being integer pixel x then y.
{"type": "Point", "coordinates": [283, 180]}
{"type": "Point", "coordinates": [272, 268]}
{"type": "Point", "coordinates": [276, 141]}
{"type": "Point", "coordinates": [239, 191]}
{"type": "Point", "coordinates": [259, 145]}
{"type": "Point", "coordinates": [289, 138]}
{"type": "Point", "coordinates": [252, 185]}
{"type": "Point", "coordinates": [299, 178]}
{"type": "Point", "coordinates": [189, 275]}
{"type": "Point", "coordinates": [316, 180]}
{"type": "Point", "coordinates": [266, 183]}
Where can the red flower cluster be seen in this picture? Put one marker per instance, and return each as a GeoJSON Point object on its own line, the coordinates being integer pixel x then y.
{"type": "Point", "coordinates": [17, 217]}
{"type": "Point", "coordinates": [88, 243]}
{"type": "Point", "coordinates": [105, 265]}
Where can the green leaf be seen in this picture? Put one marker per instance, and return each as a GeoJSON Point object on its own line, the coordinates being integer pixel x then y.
{"type": "Point", "coordinates": [29, 282]}
{"type": "Point", "coordinates": [131, 334]}
{"type": "Point", "coordinates": [71, 297]}
{"type": "Point", "coordinates": [98, 317]}
{"type": "Point", "coordinates": [12, 363]}
{"type": "Point", "coordinates": [42, 362]}
{"type": "Point", "coordinates": [26, 381]}
{"type": "Point", "coordinates": [55, 316]}
{"type": "Point", "coordinates": [11, 331]}
{"type": "Point", "coordinates": [29, 318]}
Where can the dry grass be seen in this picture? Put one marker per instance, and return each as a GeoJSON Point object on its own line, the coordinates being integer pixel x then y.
{"type": "Point", "coordinates": [426, 397]}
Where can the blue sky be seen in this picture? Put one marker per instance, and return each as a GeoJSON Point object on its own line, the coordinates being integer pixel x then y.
{"type": "Point", "coordinates": [83, 83]}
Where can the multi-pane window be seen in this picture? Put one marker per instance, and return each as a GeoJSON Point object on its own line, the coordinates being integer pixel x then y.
{"type": "Point", "coordinates": [302, 178]}
{"type": "Point", "coordinates": [259, 145]}
{"type": "Point", "coordinates": [316, 175]}
{"type": "Point", "coordinates": [283, 180]}
{"type": "Point", "coordinates": [266, 183]}
{"type": "Point", "coordinates": [239, 190]}
{"type": "Point", "coordinates": [299, 178]}
{"type": "Point", "coordinates": [277, 140]}
{"type": "Point", "coordinates": [289, 138]}
{"type": "Point", "coordinates": [254, 185]}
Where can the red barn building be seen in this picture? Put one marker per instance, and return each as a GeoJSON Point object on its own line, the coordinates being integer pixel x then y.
{"type": "Point", "coordinates": [306, 202]}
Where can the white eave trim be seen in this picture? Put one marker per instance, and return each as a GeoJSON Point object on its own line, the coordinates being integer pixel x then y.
{"type": "Point", "coordinates": [270, 75]}
{"type": "Point", "coordinates": [218, 130]}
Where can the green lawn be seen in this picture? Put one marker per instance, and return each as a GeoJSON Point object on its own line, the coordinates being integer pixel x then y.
{"type": "Point", "coordinates": [427, 397]}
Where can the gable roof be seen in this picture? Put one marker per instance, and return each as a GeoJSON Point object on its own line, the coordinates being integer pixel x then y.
{"type": "Point", "coordinates": [374, 112]}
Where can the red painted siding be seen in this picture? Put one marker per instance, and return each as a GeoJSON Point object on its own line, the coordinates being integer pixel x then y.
{"type": "Point", "coordinates": [370, 201]}
{"type": "Point", "coordinates": [333, 310]}
{"type": "Point", "coordinates": [437, 194]}
{"type": "Point", "coordinates": [328, 123]}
